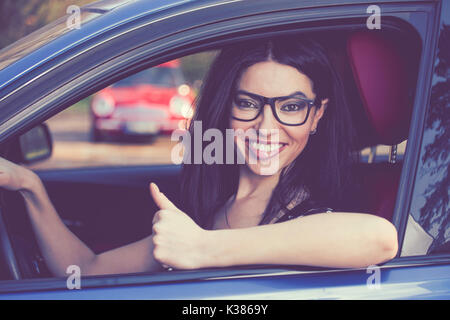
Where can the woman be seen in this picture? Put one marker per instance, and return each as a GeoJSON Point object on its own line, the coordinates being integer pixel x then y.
{"type": "Point", "coordinates": [287, 95]}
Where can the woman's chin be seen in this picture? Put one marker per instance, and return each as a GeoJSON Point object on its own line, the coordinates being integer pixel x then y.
{"type": "Point", "coordinates": [264, 168]}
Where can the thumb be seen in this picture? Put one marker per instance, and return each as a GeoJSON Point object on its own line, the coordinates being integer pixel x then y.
{"type": "Point", "coordinates": [160, 199]}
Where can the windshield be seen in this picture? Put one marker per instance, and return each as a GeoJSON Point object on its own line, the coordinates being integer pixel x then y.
{"type": "Point", "coordinates": [159, 76]}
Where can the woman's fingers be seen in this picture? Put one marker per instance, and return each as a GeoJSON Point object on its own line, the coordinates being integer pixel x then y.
{"type": "Point", "coordinates": [10, 175]}
{"type": "Point", "coordinates": [177, 239]}
{"type": "Point", "coordinates": [14, 177]}
{"type": "Point", "coordinates": [160, 199]}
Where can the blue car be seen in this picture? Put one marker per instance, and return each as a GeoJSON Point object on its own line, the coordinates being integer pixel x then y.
{"type": "Point", "coordinates": [395, 58]}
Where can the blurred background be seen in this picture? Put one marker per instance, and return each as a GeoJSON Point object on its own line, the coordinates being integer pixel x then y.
{"type": "Point", "coordinates": [21, 17]}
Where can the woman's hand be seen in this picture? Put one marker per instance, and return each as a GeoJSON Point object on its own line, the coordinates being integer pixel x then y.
{"type": "Point", "coordinates": [178, 241]}
{"type": "Point", "coordinates": [14, 177]}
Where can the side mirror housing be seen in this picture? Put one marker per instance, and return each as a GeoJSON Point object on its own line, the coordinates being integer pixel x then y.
{"type": "Point", "coordinates": [34, 145]}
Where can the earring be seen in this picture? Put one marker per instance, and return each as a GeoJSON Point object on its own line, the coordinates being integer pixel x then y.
{"type": "Point", "coordinates": [313, 132]}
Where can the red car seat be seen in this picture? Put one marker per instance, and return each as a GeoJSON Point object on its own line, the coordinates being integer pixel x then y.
{"type": "Point", "coordinates": [381, 76]}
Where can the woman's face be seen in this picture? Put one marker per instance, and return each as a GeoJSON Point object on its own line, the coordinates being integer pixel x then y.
{"type": "Point", "coordinates": [276, 145]}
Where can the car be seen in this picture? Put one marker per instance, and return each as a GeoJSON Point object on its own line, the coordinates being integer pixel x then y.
{"type": "Point", "coordinates": [393, 56]}
{"type": "Point", "coordinates": [144, 104]}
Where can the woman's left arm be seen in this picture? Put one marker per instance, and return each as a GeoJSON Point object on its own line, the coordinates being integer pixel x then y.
{"type": "Point", "coordinates": [338, 239]}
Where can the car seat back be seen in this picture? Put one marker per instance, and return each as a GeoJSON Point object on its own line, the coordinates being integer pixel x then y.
{"type": "Point", "coordinates": [380, 73]}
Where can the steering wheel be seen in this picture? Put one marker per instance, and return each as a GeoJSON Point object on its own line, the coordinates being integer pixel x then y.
{"type": "Point", "coordinates": [22, 257]}
{"type": "Point", "coordinates": [18, 245]}
{"type": "Point", "coordinates": [7, 251]}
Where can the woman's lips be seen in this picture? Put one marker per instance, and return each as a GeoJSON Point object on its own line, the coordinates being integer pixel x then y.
{"type": "Point", "coordinates": [264, 150]}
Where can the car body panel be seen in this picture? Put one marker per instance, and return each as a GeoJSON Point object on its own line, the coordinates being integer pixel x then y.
{"type": "Point", "coordinates": [426, 282]}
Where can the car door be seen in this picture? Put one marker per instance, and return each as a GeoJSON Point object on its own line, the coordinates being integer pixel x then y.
{"type": "Point", "coordinates": [159, 37]}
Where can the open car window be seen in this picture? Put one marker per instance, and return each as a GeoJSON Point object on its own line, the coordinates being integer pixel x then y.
{"type": "Point", "coordinates": [130, 125]}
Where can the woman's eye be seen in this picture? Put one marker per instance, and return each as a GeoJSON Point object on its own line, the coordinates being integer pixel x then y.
{"type": "Point", "coordinates": [245, 104]}
{"type": "Point", "coordinates": [293, 107]}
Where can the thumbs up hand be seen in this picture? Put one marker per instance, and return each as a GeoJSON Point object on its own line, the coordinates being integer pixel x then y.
{"type": "Point", "coordinates": [178, 241]}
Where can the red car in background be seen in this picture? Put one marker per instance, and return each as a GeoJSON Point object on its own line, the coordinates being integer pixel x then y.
{"type": "Point", "coordinates": [153, 101]}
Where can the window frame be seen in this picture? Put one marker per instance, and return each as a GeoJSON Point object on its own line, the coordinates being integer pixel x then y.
{"type": "Point", "coordinates": [416, 131]}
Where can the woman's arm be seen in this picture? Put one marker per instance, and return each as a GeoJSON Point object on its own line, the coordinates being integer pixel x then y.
{"type": "Point", "coordinates": [341, 240]}
{"type": "Point", "coordinates": [59, 246]}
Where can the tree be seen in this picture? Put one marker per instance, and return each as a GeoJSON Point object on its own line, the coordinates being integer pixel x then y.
{"type": "Point", "coordinates": [436, 160]}
{"type": "Point", "coordinates": [21, 17]}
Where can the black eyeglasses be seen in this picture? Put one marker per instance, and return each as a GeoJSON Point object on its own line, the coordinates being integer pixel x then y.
{"type": "Point", "coordinates": [292, 110]}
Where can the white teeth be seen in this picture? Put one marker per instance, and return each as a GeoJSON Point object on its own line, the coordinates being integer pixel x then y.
{"type": "Point", "coordinates": [277, 146]}
{"type": "Point", "coordinates": [266, 147]}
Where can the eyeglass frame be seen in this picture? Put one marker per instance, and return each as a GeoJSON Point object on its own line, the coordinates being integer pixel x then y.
{"type": "Point", "coordinates": [271, 103]}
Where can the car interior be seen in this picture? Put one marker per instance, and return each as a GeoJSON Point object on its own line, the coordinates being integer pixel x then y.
{"type": "Point", "coordinates": [108, 207]}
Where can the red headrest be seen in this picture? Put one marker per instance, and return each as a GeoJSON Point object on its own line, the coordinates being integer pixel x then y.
{"type": "Point", "coordinates": [380, 73]}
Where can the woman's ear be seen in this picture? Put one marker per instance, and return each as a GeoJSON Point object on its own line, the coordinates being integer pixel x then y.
{"type": "Point", "coordinates": [324, 104]}
{"type": "Point", "coordinates": [319, 114]}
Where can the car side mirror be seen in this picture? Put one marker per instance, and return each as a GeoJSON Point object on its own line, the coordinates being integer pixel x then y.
{"type": "Point", "coordinates": [34, 145]}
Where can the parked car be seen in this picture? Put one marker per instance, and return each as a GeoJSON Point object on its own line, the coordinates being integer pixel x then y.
{"type": "Point", "coordinates": [397, 73]}
{"type": "Point", "coordinates": [152, 101]}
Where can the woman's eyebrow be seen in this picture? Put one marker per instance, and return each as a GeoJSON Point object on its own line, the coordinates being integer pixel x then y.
{"type": "Point", "coordinates": [296, 93]}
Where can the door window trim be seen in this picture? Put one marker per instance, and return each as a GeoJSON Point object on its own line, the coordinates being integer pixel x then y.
{"type": "Point", "coordinates": [417, 126]}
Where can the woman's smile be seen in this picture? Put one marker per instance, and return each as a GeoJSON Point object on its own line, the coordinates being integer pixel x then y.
{"type": "Point", "coordinates": [264, 150]}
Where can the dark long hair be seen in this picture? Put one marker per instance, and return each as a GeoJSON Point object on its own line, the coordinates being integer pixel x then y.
{"type": "Point", "coordinates": [323, 167]}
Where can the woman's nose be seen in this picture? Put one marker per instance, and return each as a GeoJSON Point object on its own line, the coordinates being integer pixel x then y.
{"type": "Point", "coordinates": [266, 119]}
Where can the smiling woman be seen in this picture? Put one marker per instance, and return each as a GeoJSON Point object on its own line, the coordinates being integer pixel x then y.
{"type": "Point", "coordinates": [308, 120]}
{"type": "Point", "coordinates": [307, 133]}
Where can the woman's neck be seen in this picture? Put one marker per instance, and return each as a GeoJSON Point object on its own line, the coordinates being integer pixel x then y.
{"type": "Point", "coordinates": [254, 185]}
